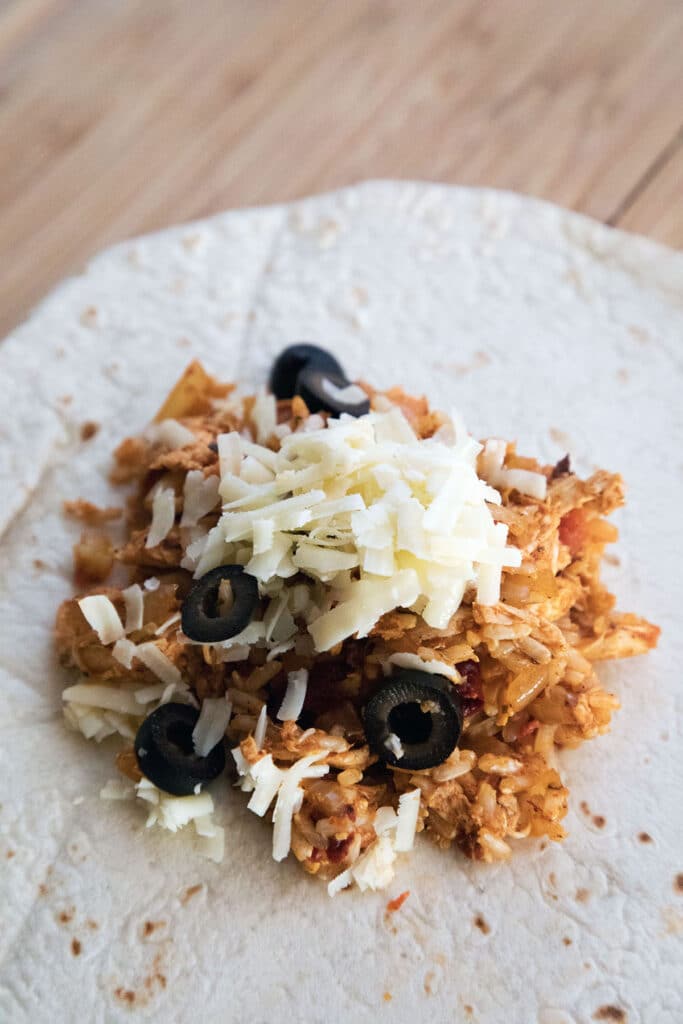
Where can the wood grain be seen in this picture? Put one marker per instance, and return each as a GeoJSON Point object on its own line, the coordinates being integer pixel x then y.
{"type": "Point", "coordinates": [121, 117]}
{"type": "Point", "coordinates": [656, 206]}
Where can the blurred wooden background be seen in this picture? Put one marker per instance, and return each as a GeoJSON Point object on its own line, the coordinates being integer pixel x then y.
{"type": "Point", "coordinates": [120, 116]}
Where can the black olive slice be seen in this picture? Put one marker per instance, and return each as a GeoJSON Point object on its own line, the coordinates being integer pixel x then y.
{"type": "Point", "coordinates": [165, 752]}
{"type": "Point", "coordinates": [291, 362]}
{"type": "Point", "coordinates": [200, 615]}
{"type": "Point", "coordinates": [422, 711]}
{"type": "Point", "coordinates": [321, 389]}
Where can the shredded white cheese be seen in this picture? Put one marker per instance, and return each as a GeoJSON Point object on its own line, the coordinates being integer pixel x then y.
{"type": "Point", "coordinates": [394, 745]}
{"type": "Point", "coordinates": [522, 480]}
{"type": "Point", "coordinates": [261, 727]}
{"type": "Point", "coordinates": [403, 659]}
{"type": "Point", "coordinates": [133, 596]}
{"type": "Point", "coordinates": [175, 812]}
{"type": "Point", "coordinates": [163, 516]}
{"type": "Point", "coordinates": [124, 652]}
{"type": "Point", "coordinates": [170, 621]}
{"type": "Point", "coordinates": [379, 517]}
{"type": "Point", "coordinates": [169, 433]}
{"type": "Point", "coordinates": [156, 661]}
{"type": "Point", "coordinates": [374, 869]}
{"type": "Point", "coordinates": [408, 811]}
{"type": "Point", "coordinates": [211, 724]}
{"type": "Point", "coordinates": [268, 783]}
{"type": "Point", "coordinates": [102, 616]}
{"type": "Point", "coordinates": [200, 496]}
{"type": "Point", "coordinates": [350, 394]}
{"type": "Point", "coordinates": [295, 695]}
{"type": "Point", "coordinates": [172, 812]}
{"type": "Point", "coordinates": [99, 710]}
{"type": "Point", "coordinates": [101, 695]}
{"type": "Point", "coordinates": [264, 416]}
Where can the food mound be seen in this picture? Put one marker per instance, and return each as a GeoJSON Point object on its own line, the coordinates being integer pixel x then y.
{"type": "Point", "coordinates": [393, 626]}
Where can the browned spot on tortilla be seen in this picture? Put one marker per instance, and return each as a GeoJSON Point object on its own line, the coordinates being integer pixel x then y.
{"type": "Point", "coordinates": [623, 375]}
{"type": "Point", "coordinates": [183, 343]}
{"type": "Point", "coordinates": [10, 854]}
{"type": "Point", "coordinates": [582, 895]}
{"type": "Point", "coordinates": [639, 333]}
{"type": "Point", "coordinates": [387, 997]}
{"type": "Point", "coordinates": [155, 979]}
{"type": "Point", "coordinates": [567, 941]}
{"type": "Point", "coordinates": [429, 978]}
{"type": "Point", "coordinates": [468, 1009]}
{"type": "Point", "coordinates": [42, 889]}
{"type": "Point", "coordinates": [610, 1013]}
{"type": "Point", "coordinates": [481, 923]}
{"type": "Point", "coordinates": [65, 399]}
{"type": "Point", "coordinates": [584, 807]}
{"type": "Point", "coordinates": [559, 437]}
{"type": "Point", "coordinates": [65, 916]}
{"type": "Point", "coordinates": [39, 564]}
{"type": "Point", "coordinates": [88, 317]}
{"type": "Point", "coordinates": [76, 947]}
{"type": "Point", "coordinates": [611, 559]}
{"type": "Point", "coordinates": [89, 429]}
{"type": "Point", "coordinates": [673, 921]}
{"type": "Point", "coordinates": [479, 359]}
{"type": "Point", "coordinates": [93, 925]}
{"type": "Point", "coordinates": [146, 992]}
{"type": "Point", "coordinates": [151, 926]}
{"type": "Point", "coordinates": [599, 821]}
{"type": "Point", "coordinates": [544, 845]}
{"type": "Point", "coordinates": [189, 893]}
{"type": "Point", "coordinates": [552, 879]}
{"type": "Point", "coordinates": [645, 837]}
{"type": "Point", "coordinates": [678, 882]}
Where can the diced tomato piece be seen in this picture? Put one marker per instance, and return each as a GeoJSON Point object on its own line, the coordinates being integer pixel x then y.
{"type": "Point", "coordinates": [573, 530]}
{"type": "Point", "coordinates": [397, 903]}
{"type": "Point", "coordinates": [471, 691]}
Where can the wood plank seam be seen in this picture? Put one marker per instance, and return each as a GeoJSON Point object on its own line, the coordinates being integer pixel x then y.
{"type": "Point", "coordinates": [656, 167]}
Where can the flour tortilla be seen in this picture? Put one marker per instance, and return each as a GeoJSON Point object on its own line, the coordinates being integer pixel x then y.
{"type": "Point", "coordinates": [537, 324]}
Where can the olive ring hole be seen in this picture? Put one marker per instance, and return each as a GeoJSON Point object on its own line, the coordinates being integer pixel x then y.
{"type": "Point", "coordinates": [219, 600]}
{"type": "Point", "coordinates": [180, 736]}
{"type": "Point", "coordinates": [410, 723]}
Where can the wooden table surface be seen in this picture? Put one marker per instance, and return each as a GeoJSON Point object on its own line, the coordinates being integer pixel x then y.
{"type": "Point", "coordinates": [121, 116]}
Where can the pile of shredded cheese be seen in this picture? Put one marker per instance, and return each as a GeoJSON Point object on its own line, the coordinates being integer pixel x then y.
{"type": "Point", "coordinates": [173, 813]}
{"type": "Point", "coordinates": [373, 516]}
